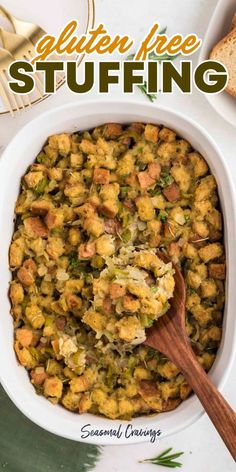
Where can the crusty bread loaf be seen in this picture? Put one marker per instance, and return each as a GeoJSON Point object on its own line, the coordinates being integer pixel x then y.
{"type": "Point", "coordinates": [225, 52]}
{"type": "Point", "coordinates": [233, 24]}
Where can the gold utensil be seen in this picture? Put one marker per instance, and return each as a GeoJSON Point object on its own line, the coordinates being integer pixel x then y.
{"type": "Point", "coordinates": [30, 31]}
{"type": "Point", "coordinates": [20, 48]}
{"type": "Point", "coordinates": [12, 102]}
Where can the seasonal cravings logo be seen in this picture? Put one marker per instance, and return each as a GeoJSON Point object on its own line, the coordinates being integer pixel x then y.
{"type": "Point", "coordinates": [159, 76]}
{"type": "Point", "coordinates": [128, 431]}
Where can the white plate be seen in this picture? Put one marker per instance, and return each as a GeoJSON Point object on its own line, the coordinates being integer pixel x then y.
{"type": "Point", "coordinates": [51, 15]}
{"type": "Point", "coordinates": [219, 27]}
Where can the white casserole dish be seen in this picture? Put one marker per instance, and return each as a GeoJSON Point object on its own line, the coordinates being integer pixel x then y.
{"type": "Point", "coordinates": [20, 153]}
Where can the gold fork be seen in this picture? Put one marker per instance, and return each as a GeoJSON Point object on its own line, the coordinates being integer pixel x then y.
{"type": "Point", "coordinates": [20, 48]}
{"type": "Point", "coordinates": [11, 101]}
{"type": "Point", "coordinates": [30, 31]}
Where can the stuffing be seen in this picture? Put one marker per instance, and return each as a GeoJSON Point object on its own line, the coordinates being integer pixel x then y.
{"type": "Point", "coordinates": [211, 251]}
{"type": "Point", "coordinates": [95, 212]}
{"type": "Point", "coordinates": [145, 208]}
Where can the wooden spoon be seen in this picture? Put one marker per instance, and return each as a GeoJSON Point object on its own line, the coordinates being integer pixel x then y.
{"type": "Point", "coordinates": [168, 335]}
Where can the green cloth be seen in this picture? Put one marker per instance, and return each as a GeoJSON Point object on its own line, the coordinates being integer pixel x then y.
{"type": "Point", "coordinates": [24, 447]}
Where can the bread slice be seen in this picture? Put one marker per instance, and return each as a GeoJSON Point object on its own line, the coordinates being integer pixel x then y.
{"type": "Point", "coordinates": [225, 52]}
{"type": "Point", "coordinates": [233, 24]}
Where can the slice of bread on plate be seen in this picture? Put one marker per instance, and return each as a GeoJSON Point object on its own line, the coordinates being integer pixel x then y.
{"type": "Point", "coordinates": [233, 24]}
{"type": "Point", "coordinates": [225, 52]}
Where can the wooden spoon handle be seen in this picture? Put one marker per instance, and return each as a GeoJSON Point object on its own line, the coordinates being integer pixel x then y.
{"type": "Point", "coordinates": [220, 412]}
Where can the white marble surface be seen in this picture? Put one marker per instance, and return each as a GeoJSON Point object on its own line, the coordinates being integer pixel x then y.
{"type": "Point", "coordinates": [204, 451]}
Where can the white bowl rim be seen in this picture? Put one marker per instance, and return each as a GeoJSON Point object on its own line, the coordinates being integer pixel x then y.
{"type": "Point", "coordinates": [112, 104]}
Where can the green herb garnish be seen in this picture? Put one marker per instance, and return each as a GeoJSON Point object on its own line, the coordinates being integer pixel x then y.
{"type": "Point", "coordinates": [153, 354]}
{"type": "Point", "coordinates": [41, 157]}
{"type": "Point", "coordinates": [152, 57]}
{"type": "Point", "coordinates": [164, 57]}
{"type": "Point", "coordinates": [165, 180]}
{"type": "Point", "coordinates": [162, 216]}
{"type": "Point", "coordinates": [123, 191]}
{"type": "Point", "coordinates": [143, 88]}
{"type": "Point", "coordinates": [153, 288]}
{"type": "Point", "coordinates": [75, 265]}
{"type": "Point", "coordinates": [126, 236]}
{"type": "Point", "coordinates": [154, 192]}
{"type": "Point", "coordinates": [41, 186]}
{"type": "Point", "coordinates": [165, 459]}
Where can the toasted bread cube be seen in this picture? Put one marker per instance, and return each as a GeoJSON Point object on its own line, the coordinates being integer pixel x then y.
{"type": "Point", "coordinates": [38, 376]}
{"type": "Point", "coordinates": [167, 135]}
{"type": "Point", "coordinates": [200, 167]}
{"type": "Point", "coordinates": [80, 384]}
{"type": "Point", "coordinates": [145, 179]}
{"type": "Point", "coordinates": [87, 250]}
{"type": "Point", "coordinates": [55, 247]}
{"type": "Point", "coordinates": [74, 236]}
{"type": "Point", "coordinates": [35, 316]}
{"type": "Point", "coordinates": [190, 251]}
{"type": "Point", "coordinates": [94, 226]}
{"type": "Point", "coordinates": [76, 159]}
{"type": "Point", "coordinates": [131, 304]}
{"type": "Point", "coordinates": [41, 207]}
{"type": "Point", "coordinates": [116, 291]}
{"type": "Point", "coordinates": [172, 192]}
{"type": "Point", "coordinates": [208, 288]}
{"type": "Point", "coordinates": [16, 293]}
{"type": "Point", "coordinates": [105, 245]}
{"type": "Point", "coordinates": [145, 208]}
{"type": "Point", "coordinates": [154, 170]}
{"type": "Point", "coordinates": [211, 251]}
{"type": "Point", "coordinates": [54, 218]}
{"type": "Point", "coordinates": [201, 228]}
{"type": "Point", "coordinates": [126, 408]}
{"type": "Point", "coordinates": [211, 334]}
{"type": "Point", "coordinates": [129, 328]}
{"type": "Point", "coordinates": [95, 320]}
{"type": "Point", "coordinates": [27, 272]}
{"type": "Point", "coordinates": [53, 387]}
{"type": "Point", "coordinates": [88, 147]}
{"type": "Point", "coordinates": [112, 130]}
{"type": "Point", "coordinates": [215, 219]}
{"type": "Point", "coordinates": [193, 279]}
{"type": "Point", "coordinates": [202, 314]}
{"type": "Point", "coordinates": [71, 400]}
{"type": "Point", "coordinates": [25, 336]}
{"type": "Point", "coordinates": [61, 143]}
{"type": "Point", "coordinates": [24, 356]}
{"type": "Point", "coordinates": [101, 176]}
{"type": "Point", "coordinates": [109, 408]}
{"type": "Point", "coordinates": [205, 188]}
{"type": "Point", "coordinates": [182, 177]}
{"type": "Point", "coordinates": [16, 254]}
{"type": "Point", "coordinates": [33, 178]}
{"type": "Point", "coordinates": [140, 373]}
{"type": "Point", "coordinates": [35, 227]}
{"type": "Point", "coordinates": [151, 133]}
{"type": "Point", "coordinates": [217, 271]}
{"type": "Point", "coordinates": [168, 370]}
{"type": "Point", "coordinates": [125, 165]}
{"type": "Point", "coordinates": [85, 403]}
{"type": "Point", "coordinates": [110, 191]}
